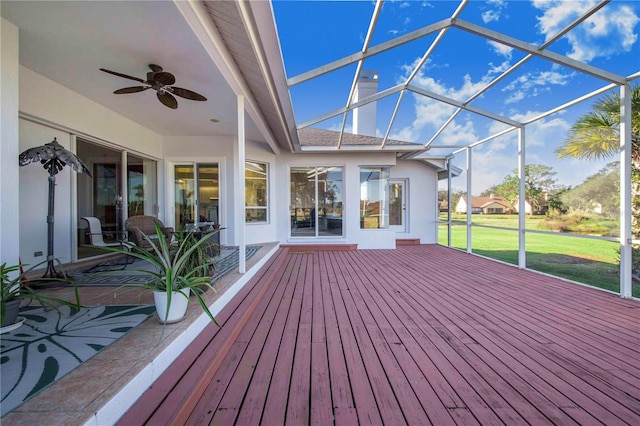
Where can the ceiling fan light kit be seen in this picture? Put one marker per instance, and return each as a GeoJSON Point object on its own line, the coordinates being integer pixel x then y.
{"type": "Point", "coordinates": [160, 81]}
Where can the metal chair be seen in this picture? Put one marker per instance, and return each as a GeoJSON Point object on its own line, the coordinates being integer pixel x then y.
{"type": "Point", "coordinates": [96, 237]}
{"type": "Point", "coordinates": [96, 234]}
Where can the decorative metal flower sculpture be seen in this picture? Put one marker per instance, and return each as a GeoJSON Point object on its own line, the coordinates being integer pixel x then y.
{"type": "Point", "coordinates": [53, 157]}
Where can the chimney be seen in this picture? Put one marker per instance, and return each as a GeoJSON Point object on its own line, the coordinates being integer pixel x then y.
{"type": "Point", "coordinates": [364, 117]}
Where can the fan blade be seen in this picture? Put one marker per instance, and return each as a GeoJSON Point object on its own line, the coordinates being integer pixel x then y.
{"type": "Point", "coordinates": [155, 68]}
{"type": "Point", "coordinates": [187, 94]}
{"type": "Point", "coordinates": [167, 100]}
{"type": "Point", "coordinates": [133, 89]}
{"type": "Point", "coordinates": [122, 75]}
{"type": "Point", "coordinates": [165, 78]}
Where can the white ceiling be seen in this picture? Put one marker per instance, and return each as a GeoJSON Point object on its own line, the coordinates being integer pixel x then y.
{"type": "Point", "coordinates": [68, 42]}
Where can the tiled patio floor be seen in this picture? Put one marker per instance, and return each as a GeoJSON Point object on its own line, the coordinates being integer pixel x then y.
{"type": "Point", "coordinates": [75, 398]}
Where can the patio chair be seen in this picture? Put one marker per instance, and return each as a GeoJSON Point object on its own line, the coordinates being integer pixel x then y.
{"type": "Point", "coordinates": [96, 234]}
{"type": "Point", "coordinates": [143, 224]}
{"type": "Point", "coordinates": [96, 238]}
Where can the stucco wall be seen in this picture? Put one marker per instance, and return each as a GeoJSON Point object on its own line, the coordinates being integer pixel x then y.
{"type": "Point", "coordinates": [53, 103]}
{"type": "Point", "coordinates": [422, 204]}
{"type": "Point", "coordinates": [9, 207]}
{"type": "Point", "coordinates": [223, 150]}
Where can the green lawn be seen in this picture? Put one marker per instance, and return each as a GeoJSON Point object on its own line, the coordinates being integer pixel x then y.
{"type": "Point", "coordinates": [584, 260]}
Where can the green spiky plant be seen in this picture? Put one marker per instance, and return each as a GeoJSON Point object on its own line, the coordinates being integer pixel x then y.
{"type": "Point", "coordinates": [180, 267]}
{"type": "Point", "coordinates": [13, 287]}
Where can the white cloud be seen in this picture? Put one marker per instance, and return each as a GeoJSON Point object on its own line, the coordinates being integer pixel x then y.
{"type": "Point", "coordinates": [493, 15]}
{"type": "Point", "coordinates": [336, 127]}
{"type": "Point", "coordinates": [533, 84]}
{"type": "Point", "coordinates": [430, 114]}
{"type": "Point", "coordinates": [490, 16]}
{"type": "Point", "coordinates": [497, 158]}
{"type": "Point", "coordinates": [608, 32]}
{"type": "Point", "coordinates": [516, 96]}
{"type": "Point", "coordinates": [501, 49]}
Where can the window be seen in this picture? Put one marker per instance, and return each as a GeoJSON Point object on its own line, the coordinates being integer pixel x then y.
{"type": "Point", "coordinates": [111, 195]}
{"type": "Point", "coordinates": [197, 190]}
{"type": "Point", "coordinates": [141, 186]}
{"type": "Point", "coordinates": [255, 196]}
{"type": "Point", "coordinates": [316, 202]}
{"type": "Point", "coordinates": [374, 197]}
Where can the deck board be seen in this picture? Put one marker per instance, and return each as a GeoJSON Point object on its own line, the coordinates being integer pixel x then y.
{"type": "Point", "coordinates": [421, 334]}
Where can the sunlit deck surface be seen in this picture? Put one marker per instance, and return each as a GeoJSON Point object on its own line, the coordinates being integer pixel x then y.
{"type": "Point", "coordinates": [417, 335]}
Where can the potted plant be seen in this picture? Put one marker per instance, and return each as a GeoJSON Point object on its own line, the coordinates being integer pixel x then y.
{"type": "Point", "coordinates": [177, 271]}
{"type": "Point", "coordinates": [13, 290]}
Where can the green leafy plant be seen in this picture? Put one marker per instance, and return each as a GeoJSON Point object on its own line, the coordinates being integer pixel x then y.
{"type": "Point", "coordinates": [13, 286]}
{"type": "Point", "coordinates": [201, 255]}
{"type": "Point", "coordinates": [182, 266]}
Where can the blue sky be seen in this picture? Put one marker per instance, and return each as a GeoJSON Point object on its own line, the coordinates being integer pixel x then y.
{"type": "Point", "coordinates": [313, 33]}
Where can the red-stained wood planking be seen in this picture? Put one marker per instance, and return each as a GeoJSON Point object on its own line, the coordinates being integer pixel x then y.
{"type": "Point", "coordinates": [229, 380]}
{"type": "Point", "coordinates": [255, 398]}
{"type": "Point", "coordinates": [387, 344]}
{"type": "Point", "coordinates": [344, 411]}
{"type": "Point", "coordinates": [363, 395]}
{"type": "Point", "coordinates": [298, 405]}
{"type": "Point", "coordinates": [275, 409]}
{"type": "Point", "coordinates": [488, 398]}
{"type": "Point", "coordinates": [253, 337]}
{"type": "Point", "coordinates": [559, 350]}
{"type": "Point", "coordinates": [522, 385]}
{"type": "Point", "coordinates": [584, 394]}
{"type": "Point", "coordinates": [176, 384]}
{"type": "Point", "coordinates": [321, 400]}
{"type": "Point", "coordinates": [417, 335]}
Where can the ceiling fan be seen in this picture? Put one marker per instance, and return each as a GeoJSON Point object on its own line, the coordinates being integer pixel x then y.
{"type": "Point", "coordinates": [162, 83]}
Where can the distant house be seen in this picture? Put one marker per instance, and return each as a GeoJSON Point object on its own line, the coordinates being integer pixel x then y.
{"type": "Point", "coordinates": [484, 205]}
{"type": "Point", "coordinates": [527, 206]}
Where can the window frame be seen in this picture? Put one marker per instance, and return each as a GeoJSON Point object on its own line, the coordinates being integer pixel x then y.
{"type": "Point", "coordinates": [266, 195]}
{"type": "Point", "coordinates": [383, 215]}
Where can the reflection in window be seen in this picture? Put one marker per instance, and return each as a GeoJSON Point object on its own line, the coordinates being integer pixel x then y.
{"type": "Point", "coordinates": [374, 197]}
{"type": "Point", "coordinates": [142, 195]}
{"type": "Point", "coordinates": [255, 196]}
{"type": "Point", "coordinates": [316, 202]}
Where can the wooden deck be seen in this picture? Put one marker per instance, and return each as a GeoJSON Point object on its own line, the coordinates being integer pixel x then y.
{"type": "Point", "coordinates": [417, 335]}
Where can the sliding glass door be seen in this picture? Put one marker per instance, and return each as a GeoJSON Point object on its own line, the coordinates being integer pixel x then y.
{"type": "Point", "coordinates": [196, 194]}
{"type": "Point", "coordinates": [316, 201]}
{"type": "Point", "coordinates": [112, 194]}
{"type": "Point", "coordinates": [142, 189]}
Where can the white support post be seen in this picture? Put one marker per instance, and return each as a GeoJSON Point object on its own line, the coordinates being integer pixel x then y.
{"type": "Point", "coordinates": [239, 189]}
{"type": "Point", "coordinates": [449, 202]}
{"type": "Point", "coordinates": [522, 199]}
{"type": "Point", "coordinates": [469, 202]}
{"type": "Point", "coordinates": [625, 191]}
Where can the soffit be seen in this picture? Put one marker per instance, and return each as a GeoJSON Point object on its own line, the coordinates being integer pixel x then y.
{"type": "Point", "coordinates": [245, 45]}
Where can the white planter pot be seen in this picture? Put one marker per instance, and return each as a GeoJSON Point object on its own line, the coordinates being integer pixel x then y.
{"type": "Point", "coordinates": [178, 308]}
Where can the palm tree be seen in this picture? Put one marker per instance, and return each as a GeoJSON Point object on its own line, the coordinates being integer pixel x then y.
{"type": "Point", "coordinates": [595, 135]}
